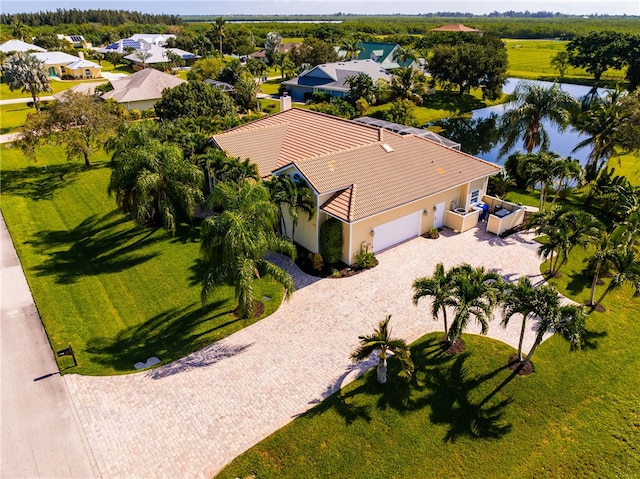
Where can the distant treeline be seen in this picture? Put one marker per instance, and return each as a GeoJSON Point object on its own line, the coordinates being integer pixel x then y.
{"type": "Point", "coordinates": [78, 17]}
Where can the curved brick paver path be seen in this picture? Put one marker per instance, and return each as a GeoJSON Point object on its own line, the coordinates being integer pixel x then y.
{"type": "Point", "coordinates": [190, 418]}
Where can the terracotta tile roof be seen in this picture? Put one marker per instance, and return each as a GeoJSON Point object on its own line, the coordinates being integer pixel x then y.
{"type": "Point", "coordinates": [292, 135]}
{"type": "Point", "coordinates": [372, 180]}
{"type": "Point", "coordinates": [369, 169]}
{"type": "Point", "coordinates": [454, 27]}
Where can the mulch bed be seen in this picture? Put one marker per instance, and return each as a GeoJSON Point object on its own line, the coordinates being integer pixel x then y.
{"type": "Point", "coordinates": [452, 349]}
{"type": "Point", "coordinates": [338, 270]}
{"type": "Point", "coordinates": [523, 369]}
{"type": "Point", "coordinates": [258, 309]}
{"type": "Point", "coordinates": [599, 308]}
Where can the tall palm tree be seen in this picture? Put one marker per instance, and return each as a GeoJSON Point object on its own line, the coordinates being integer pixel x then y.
{"type": "Point", "coordinates": [567, 170]}
{"type": "Point", "coordinates": [625, 263]}
{"type": "Point", "coordinates": [409, 84]}
{"type": "Point", "coordinates": [602, 122]}
{"type": "Point", "coordinates": [234, 243]}
{"type": "Point", "coordinates": [543, 168]}
{"type": "Point", "coordinates": [155, 184]}
{"type": "Point", "coordinates": [439, 288]}
{"type": "Point", "coordinates": [19, 30]}
{"type": "Point", "coordinates": [519, 299]}
{"type": "Point", "coordinates": [351, 48]}
{"type": "Point", "coordinates": [474, 293]}
{"type": "Point", "coordinates": [382, 340]}
{"type": "Point", "coordinates": [296, 196]}
{"type": "Point", "coordinates": [219, 30]}
{"type": "Point", "coordinates": [23, 70]}
{"type": "Point", "coordinates": [531, 105]}
{"type": "Point", "coordinates": [246, 93]}
{"type": "Point", "coordinates": [284, 63]}
{"type": "Point", "coordinates": [567, 321]}
{"type": "Point", "coordinates": [143, 56]}
{"type": "Point", "coordinates": [402, 55]}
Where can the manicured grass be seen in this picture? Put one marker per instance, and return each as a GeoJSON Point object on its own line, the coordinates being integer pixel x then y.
{"type": "Point", "coordinates": [56, 86]}
{"type": "Point", "coordinates": [117, 293]}
{"type": "Point", "coordinates": [532, 59]}
{"type": "Point", "coordinates": [12, 117]}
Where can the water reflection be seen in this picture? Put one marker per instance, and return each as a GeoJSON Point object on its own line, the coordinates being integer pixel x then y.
{"type": "Point", "coordinates": [478, 135]}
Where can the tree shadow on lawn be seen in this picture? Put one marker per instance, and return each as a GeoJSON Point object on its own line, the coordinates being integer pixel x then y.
{"type": "Point", "coordinates": [171, 336]}
{"type": "Point", "coordinates": [440, 382]}
{"type": "Point", "coordinates": [39, 182]}
{"type": "Point", "coordinates": [452, 101]}
{"type": "Point", "coordinates": [94, 247]}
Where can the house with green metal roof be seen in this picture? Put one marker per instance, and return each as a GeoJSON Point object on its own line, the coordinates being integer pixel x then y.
{"type": "Point", "coordinates": [382, 53]}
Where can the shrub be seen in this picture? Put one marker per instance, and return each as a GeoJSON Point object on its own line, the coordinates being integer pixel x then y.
{"type": "Point", "coordinates": [331, 240]}
{"type": "Point", "coordinates": [365, 260]}
{"type": "Point", "coordinates": [316, 261]}
{"type": "Point", "coordinates": [433, 233]}
{"type": "Point", "coordinates": [149, 113]}
{"type": "Point", "coordinates": [134, 115]}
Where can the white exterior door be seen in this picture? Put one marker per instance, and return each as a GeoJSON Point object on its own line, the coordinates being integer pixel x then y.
{"type": "Point", "coordinates": [438, 216]}
{"type": "Point", "coordinates": [396, 231]}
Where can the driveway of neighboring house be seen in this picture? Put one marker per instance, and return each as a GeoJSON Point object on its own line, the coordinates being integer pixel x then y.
{"type": "Point", "coordinates": [191, 417]}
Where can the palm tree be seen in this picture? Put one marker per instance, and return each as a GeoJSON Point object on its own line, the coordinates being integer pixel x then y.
{"type": "Point", "coordinates": [567, 169]}
{"type": "Point", "coordinates": [351, 48]}
{"type": "Point", "coordinates": [439, 287]}
{"type": "Point", "coordinates": [402, 55]}
{"type": "Point", "coordinates": [602, 122]}
{"type": "Point", "coordinates": [23, 70]}
{"type": "Point", "coordinates": [530, 106]}
{"type": "Point", "coordinates": [474, 293]}
{"type": "Point", "coordinates": [219, 30]}
{"type": "Point", "coordinates": [543, 168]}
{"type": "Point", "coordinates": [143, 56]}
{"type": "Point", "coordinates": [604, 245]}
{"type": "Point", "coordinates": [409, 84]}
{"type": "Point", "coordinates": [626, 265]}
{"type": "Point", "coordinates": [381, 340]}
{"type": "Point", "coordinates": [234, 243]}
{"type": "Point", "coordinates": [155, 184]}
{"type": "Point", "coordinates": [296, 196]}
{"type": "Point", "coordinates": [284, 63]}
{"type": "Point", "coordinates": [567, 321]}
{"type": "Point", "coordinates": [246, 93]}
{"type": "Point", "coordinates": [19, 30]}
{"type": "Point", "coordinates": [519, 299]}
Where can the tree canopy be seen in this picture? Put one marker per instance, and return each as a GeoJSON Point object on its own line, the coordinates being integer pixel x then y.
{"type": "Point", "coordinates": [194, 99]}
{"type": "Point", "coordinates": [23, 70]}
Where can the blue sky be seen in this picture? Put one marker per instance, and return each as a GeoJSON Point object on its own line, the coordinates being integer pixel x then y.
{"type": "Point", "coordinates": [261, 7]}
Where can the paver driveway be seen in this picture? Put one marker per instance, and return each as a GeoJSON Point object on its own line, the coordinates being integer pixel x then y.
{"type": "Point", "coordinates": [190, 418]}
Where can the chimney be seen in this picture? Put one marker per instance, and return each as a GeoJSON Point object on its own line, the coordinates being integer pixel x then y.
{"type": "Point", "coordinates": [285, 102]}
{"type": "Point", "coordinates": [380, 134]}
{"type": "Point", "coordinates": [81, 55]}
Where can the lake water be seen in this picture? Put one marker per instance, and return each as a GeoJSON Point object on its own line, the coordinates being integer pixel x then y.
{"type": "Point", "coordinates": [478, 136]}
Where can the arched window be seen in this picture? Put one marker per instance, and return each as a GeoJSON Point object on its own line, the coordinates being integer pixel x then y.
{"type": "Point", "coordinates": [87, 73]}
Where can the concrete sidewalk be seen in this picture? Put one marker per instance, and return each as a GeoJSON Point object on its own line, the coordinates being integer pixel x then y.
{"type": "Point", "coordinates": [41, 434]}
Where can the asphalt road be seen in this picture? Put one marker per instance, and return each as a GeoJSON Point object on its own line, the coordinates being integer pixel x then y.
{"type": "Point", "coordinates": [41, 435]}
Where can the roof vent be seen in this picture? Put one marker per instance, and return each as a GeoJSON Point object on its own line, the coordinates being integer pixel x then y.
{"type": "Point", "coordinates": [386, 147]}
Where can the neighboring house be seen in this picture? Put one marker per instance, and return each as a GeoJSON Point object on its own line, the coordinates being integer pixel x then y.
{"type": "Point", "coordinates": [158, 39]}
{"type": "Point", "coordinates": [225, 87]}
{"type": "Point", "coordinates": [152, 55]}
{"type": "Point", "coordinates": [87, 88]}
{"type": "Point", "coordinates": [382, 53]}
{"type": "Point", "coordinates": [331, 78]}
{"type": "Point", "coordinates": [455, 27]}
{"type": "Point", "coordinates": [262, 54]}
{"type": "Point", "coordinates": [77, 41]}
{"type": "Point", "coordinates": [141, 90]}
{"type": "Point", "coordinates": [12, 46]}
{"type": "Point", "coordinates": [64, 65]}
{"type": "Point", "coordinates": [384, 187]}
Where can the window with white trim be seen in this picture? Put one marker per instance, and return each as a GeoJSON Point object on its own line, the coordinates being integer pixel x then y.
{"type": "Point", "coordinates": [475, 197]}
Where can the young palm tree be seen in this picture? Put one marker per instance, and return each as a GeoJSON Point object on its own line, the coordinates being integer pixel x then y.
{"type": "Point", "coordinates": [519, 299]}
{"type": "Point", "coordinates": [155, 184]}
{"type": "Point", "coordinates": [23, 70]}
{"type": "Point", "coordinates": [531, 105]}
{"type": "Point", "coordinates": [567, 321]}
{"type": "Point", "coordinates": [568, 169]}
{"type": "Point", "coordinates": [284, 63]}
{"type": "Point", "coordinates": [234, 243]}
{"type": "Point", "coordinates": [543, 168]}
{"type": "Point", "coordinates": [381, 340]}
{"type": "Point", "coordinates": [439, 287]}
{"type": "Point", "coordinates": [143, 56]}
{"type": "Point", "coordinates": [296, 196]}
{"type": "Point", "coordinates": [626, 265]}
{"type": "Point", "coordinates": [474, 293]}
{"type": "Point", "coordinates": [219, 30]}
{"type": "Point", "coordinates": [246, 93]}
{"type": "Point", "coordinates": [351, 48]}
{"type": "Point", "coordinates": [19, 30]}
{"type": "Point", "coordinates": [409, 84]}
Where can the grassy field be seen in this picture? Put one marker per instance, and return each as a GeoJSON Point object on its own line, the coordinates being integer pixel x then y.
{"type": "Point", "coordinates": [12, 117]}
{"type": "Point", "coordinates": [117, 293]}
{"type": "Point", "coordinates": [56, 85]}
{"type": "Point", "coordinates": [578, 415]}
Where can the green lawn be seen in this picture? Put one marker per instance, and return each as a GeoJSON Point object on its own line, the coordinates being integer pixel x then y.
{"type": "Point", "coordinates": [532, 59]}
{"type": "Point", "coordinates": [12, 117]}
{"type": "Point", "coordinates": [116, 292]}
{"type": "Point", "coordinates": [56, 86]}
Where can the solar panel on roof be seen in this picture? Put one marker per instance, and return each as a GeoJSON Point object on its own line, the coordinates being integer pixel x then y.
{"type": "Point", "coordinates": [76, 38]}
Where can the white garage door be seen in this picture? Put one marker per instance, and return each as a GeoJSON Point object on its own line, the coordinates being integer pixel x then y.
{"type": "Point", "coordinates": [396, 231]}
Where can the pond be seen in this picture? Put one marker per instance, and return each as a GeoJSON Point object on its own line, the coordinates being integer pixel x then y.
{"type": "Point", "coordinates": [478, 136]}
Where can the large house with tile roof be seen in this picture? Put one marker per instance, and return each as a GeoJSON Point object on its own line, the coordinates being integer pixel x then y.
{"type": "Point", "coordinates": [384, 187]}
{"type": "Point", "coordinates": [63, 65]}
{"type": "Point", "coordinates": [141, 90]}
